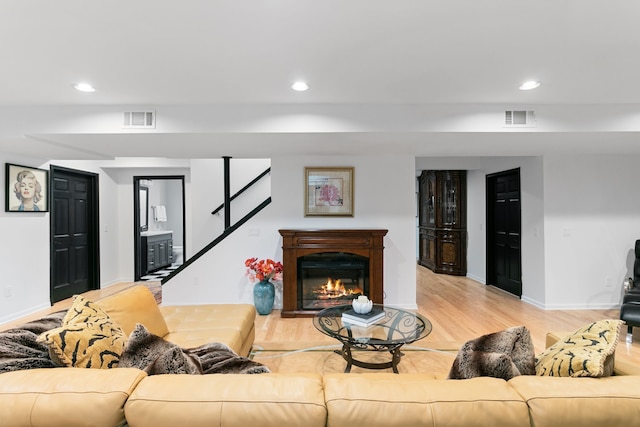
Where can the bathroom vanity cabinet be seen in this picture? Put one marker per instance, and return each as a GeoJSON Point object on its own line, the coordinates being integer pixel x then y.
{"type": "Point", "coordinates": [157, 251]}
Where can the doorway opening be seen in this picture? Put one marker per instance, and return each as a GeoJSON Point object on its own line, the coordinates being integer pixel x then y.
{"type": "Point", "coordinates": [504, 258]}
{"type": "Point", "coordinates": [159, 225]}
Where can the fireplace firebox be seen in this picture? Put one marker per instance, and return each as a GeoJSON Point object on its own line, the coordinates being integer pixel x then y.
{"type": "Point", "coordinates": [323, 268]}
{"type": "Point", "coordinates": [327, 279]}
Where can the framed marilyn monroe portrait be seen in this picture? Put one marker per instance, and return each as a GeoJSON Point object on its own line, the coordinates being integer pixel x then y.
{"type": "Point", "coordinates": [26, 189]}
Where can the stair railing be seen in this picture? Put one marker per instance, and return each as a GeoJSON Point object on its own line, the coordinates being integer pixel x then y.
{"type": "Point", "coordinates": [228, 229]}
{"type": "Point", "coordinates": [242, 190]}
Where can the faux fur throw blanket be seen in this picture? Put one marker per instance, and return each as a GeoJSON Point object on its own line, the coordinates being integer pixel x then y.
{"type": "Point", "coordinates": [155, 355]}
{"type": "Point", "coordinates": [505, 354]}
{"type": "Point", "coordinates": [19, 349]}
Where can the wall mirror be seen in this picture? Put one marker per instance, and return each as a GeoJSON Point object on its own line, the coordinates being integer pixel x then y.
{"type": "Point", "coordinates": [144, 208]}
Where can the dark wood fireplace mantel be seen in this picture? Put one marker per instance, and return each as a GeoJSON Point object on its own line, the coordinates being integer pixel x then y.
{"type": "Point", "coordinates": [298, 243]}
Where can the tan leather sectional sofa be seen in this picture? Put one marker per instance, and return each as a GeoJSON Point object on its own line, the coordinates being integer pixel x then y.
{"type": "Point", "coordinates": [72, 397]}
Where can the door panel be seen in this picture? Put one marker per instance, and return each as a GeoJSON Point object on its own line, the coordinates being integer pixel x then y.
{"type": "Point", "coordinates": [504, 259]}
{"type": "Point", "coordinates": [74, 233]}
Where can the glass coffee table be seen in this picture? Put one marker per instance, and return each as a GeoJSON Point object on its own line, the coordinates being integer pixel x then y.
{"type": "Point", "coordinates": [397, 328]}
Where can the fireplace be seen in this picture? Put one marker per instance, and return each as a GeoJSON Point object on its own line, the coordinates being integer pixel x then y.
{"type": "Point", "coordinates": [327, 279]}
{"type": "Point", "coordinates": [324, 268]}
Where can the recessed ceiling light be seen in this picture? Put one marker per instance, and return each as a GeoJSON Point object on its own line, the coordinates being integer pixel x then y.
{"type": "Point", "coordinates": [300, 86]}
{"type": "Point", "coordinates": [84, 87]}
{"type": "Point", "coordinates": [531, 84]}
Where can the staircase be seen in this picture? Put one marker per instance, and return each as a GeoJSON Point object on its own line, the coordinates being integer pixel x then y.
{"type": "Point", "coordinates": [229, 228]}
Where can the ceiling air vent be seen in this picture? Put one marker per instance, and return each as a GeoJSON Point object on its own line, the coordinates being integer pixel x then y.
{"type": "Point", "coordinates": [140, 119]}
{"type": "Point", "coordinates": [519, 119]}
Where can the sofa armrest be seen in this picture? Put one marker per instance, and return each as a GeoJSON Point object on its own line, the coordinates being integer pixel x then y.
{"type": "Point", "coordinates": [552, 338]}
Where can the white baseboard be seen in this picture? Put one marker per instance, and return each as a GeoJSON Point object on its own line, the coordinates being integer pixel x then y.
{"type": "Point", "coordinates": [599, 306]}
{"type": "Point", "coordinates": [533, 302]}
{"type": "Point", "coordinates": [23, 313]}
{"type": "Point", "coordinates": [115, 282]}
{"type": "Point", "coordinates": [408, 307]}
{"type": "Point", "coordinates": [569, 307]}
{"type": "Point", "coordinates": [477, 278]}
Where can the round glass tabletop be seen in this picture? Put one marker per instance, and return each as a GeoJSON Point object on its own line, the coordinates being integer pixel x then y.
{"type": "Point", "coordinates": [394, 327]}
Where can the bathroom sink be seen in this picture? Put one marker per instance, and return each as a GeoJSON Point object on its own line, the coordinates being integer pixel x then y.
{"type": "Point", "coordinates": [155, 232]}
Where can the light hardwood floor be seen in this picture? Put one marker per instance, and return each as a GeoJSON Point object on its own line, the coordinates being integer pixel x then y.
{"type": "Point", "coordinates": [461, 309]}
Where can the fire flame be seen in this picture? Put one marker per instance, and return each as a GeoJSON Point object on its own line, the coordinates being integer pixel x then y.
{"type": "Point", "coordinates": [335, 289]}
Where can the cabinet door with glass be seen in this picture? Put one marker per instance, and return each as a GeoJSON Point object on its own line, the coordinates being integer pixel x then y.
{"type": "Point", "coordinates": [451, 199]}
{"type": "Point", "coordinates": [427, 196]}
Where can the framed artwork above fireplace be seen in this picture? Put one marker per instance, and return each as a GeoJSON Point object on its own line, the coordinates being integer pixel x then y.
{"type": "Point", "coordinates": [328, 191]}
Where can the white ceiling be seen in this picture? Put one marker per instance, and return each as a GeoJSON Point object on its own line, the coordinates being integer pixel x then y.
{"type": "Point", "coordinates": [162, 53]}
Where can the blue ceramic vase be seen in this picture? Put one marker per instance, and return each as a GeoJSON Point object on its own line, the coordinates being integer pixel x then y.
{"type": "Point", "coordinates": [264, 294]}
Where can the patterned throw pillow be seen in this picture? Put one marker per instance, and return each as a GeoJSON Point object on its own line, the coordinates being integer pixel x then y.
{"type": "Point", "coordinates": [88, 338]}
{"type": "Point", "coordinates": [588, 352]}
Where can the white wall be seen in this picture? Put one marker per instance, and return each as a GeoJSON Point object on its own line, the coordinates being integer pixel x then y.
{"type": "Point", "coordinates": [207, 187]}
{"type": "Point", "coordinates": [24, 253]}
{"type": "Point", "coordinates": [384, 198]}
{"type": "Point", "coordinates": [592, 219]}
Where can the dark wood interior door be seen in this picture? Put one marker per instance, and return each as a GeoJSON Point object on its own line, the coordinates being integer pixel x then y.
{"type": "Point", "coordinates": [74, 233]}
{"type": "Point", "coordinates": [504, 260]}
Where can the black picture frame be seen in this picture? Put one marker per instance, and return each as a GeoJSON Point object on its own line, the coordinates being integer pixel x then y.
{"type": "Point", "coordinates": [37, 181]}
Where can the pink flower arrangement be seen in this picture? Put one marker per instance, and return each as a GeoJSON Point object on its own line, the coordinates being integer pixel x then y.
{"type": "Point", "coordinates": [263, 269]}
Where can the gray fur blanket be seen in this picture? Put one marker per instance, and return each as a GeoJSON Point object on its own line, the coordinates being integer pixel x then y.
{"type": "Point", "coordinates": [19, 349]}
{"type": "Point", "coordinates": [155, 355]}
{"type": "Point", "coordinates": [504, 354]}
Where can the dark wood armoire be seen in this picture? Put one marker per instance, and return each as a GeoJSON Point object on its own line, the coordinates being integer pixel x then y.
{"type": "Point", "coordinates": [443, 221]}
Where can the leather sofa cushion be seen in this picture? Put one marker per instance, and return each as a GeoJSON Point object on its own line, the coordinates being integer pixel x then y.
{"type": "Point", "coordinates": [416, 400]}
{"type": "Point", "coordinates": [70, 397]}
{"type": "Point", "coordinates": [239, 317]}
{"type": "Point", "coordinates": [195, 325]}
{"type": "Point", "coordinates": [268, 400]}
{"type": "Point", "coordinates": [584, 402]}
{"type": "Point", "coordinates": [132, 306]}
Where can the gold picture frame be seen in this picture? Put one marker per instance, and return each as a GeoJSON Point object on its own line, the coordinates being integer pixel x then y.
{"type": "Point", "coordinates": [328, 191]}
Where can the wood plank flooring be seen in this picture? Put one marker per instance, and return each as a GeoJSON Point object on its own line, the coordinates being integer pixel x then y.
{"type": "Point", "coordinates": [461, 309]}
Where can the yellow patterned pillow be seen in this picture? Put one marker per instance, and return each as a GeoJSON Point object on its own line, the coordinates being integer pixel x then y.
{"type": "Point", "coordinates": [88, 338]}
{"type": "Point", "coordinates": [588, 352]}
